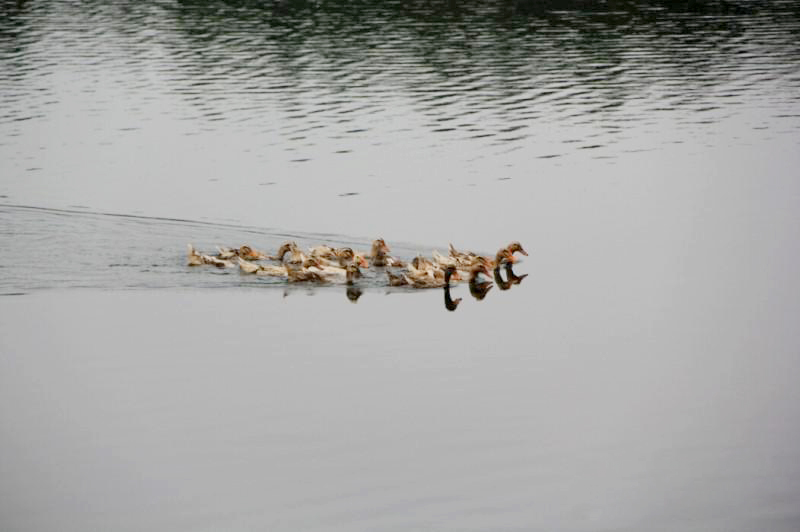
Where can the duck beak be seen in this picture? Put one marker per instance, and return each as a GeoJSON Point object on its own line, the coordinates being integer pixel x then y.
{"type": "Point", "coordinates": [523, 252]}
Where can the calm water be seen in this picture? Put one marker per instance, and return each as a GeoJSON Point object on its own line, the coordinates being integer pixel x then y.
{"type": "Point", "coordinates": [643, 377]}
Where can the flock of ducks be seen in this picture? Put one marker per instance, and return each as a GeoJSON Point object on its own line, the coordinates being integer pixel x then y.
{"type": "Point", "coordinates": [324, 264]}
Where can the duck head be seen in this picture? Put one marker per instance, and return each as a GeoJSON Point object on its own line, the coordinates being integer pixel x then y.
{"type": "Point", "coordinates": [285, 248]}
{"type": "Point", "coordinates": [379, 246]}
{"type": "Point", "coordinates": [360, 261]}
{"type": "Point", "coordinates": [516, 246]}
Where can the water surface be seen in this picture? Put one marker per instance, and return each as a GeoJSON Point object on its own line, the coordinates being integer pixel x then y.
{"type": "Point", "coordinates": [643, 377]}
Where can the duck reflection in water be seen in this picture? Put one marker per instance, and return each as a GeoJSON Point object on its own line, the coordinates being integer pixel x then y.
{"type": "Point", "coordinates": [353, 293]}
{"type": "Point", "coordinates": [512, 278]}
{"type": "Point", "coordinates": [478, 288]}
{"type": "Point", "coordinates": [450, 303]}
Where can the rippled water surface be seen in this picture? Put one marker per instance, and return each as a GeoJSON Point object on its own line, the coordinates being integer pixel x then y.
{"type": "Point", "coordinates": [643, 377]}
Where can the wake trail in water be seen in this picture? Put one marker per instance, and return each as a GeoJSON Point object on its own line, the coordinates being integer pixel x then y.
{"type": "Point", "coordinates": [51, 248]}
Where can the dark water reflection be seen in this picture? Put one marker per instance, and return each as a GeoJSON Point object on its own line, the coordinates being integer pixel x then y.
{"type": "Point", "coordinates": [334, 77]}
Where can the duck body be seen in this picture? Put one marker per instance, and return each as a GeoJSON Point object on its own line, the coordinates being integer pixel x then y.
{"type": "Point", "coordinates": [429, 280]}
{"type": "Point", "coordinates": [195, 258]}
{"type": "Point", "coordinates": [262, 269]}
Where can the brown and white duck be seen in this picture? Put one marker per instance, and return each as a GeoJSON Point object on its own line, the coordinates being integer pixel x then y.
{"type": "Point", "coordinates": [432, 281]}
{"type": "Point", "coordinates": [195, 258]}
{"type": "Point", "coordinates": [379, 255]}
{"type": "Point", "coordinates": [515, 247]}
{"type": "Point", "coordinates": [271, 270]}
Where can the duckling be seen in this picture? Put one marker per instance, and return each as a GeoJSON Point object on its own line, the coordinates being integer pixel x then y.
{"type": "Point", "coordinates": [427, 282]}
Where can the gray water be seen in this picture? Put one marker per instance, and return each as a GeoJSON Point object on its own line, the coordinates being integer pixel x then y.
{"type": "Point", "coordinates": [642, 377]}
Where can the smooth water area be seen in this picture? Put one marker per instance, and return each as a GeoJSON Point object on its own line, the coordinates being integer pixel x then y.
{"type": "Point", "coordinates": [642, 377]}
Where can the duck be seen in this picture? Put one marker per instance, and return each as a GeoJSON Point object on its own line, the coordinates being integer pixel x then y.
{"type": "Point", "coordinates": [431, 281]}
{"type": "Point", "coordinates": [503, 256]}
{"type": "Point", "coordinates": [322, 252]}
{"type": "Point", "coordinates": [443, 261]}
{"type": "Point", "coordinates": [345, 256]}
{"type": "Point", "coordinates": [379, 255]}
{"type": "Point", "coordinates": [248, 253]}
{"type": "Point", "coordinates": [348, 274]}
{"type": "Point", "coordinates": [262, 269]}
{"type": "Point", "coordinates": [295, 254]}
{"type": "Point", "coordinates": [516, 247]}
{"type": "Point", "coordinates": [378, 252]}
{"type": "Point", "coordinates": [244, 252]}
{"type": "Point", "coordinates": [226, 253]}
{"type": "Point", "coordinates": [195, 258]}
{"type": "Point", "coordinates": [297, 273]}
{"type": "Point", "coordinates": [396, 279]}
